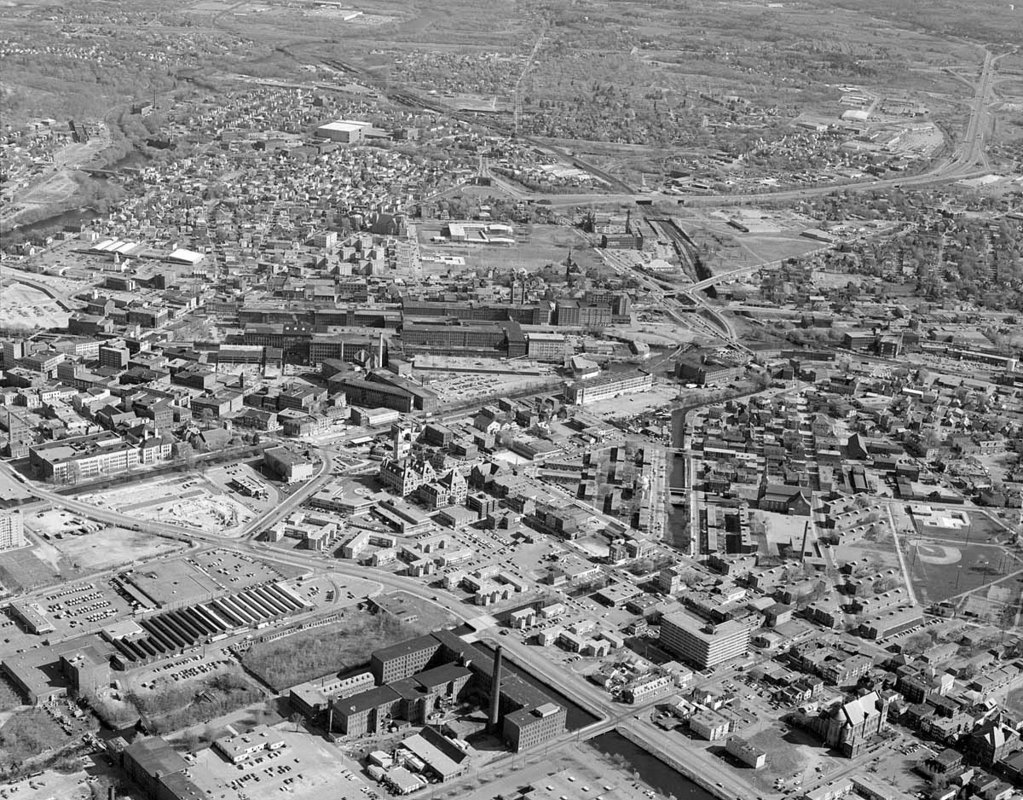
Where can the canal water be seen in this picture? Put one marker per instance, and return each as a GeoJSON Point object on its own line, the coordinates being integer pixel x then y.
{"type": "Point", "coordinates": [677, 515]}
{"type": "Point", "coordinates": [651, 770]}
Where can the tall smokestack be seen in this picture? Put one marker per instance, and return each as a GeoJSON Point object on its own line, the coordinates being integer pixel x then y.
{"type": "Point", "coordinates": [495, 693]}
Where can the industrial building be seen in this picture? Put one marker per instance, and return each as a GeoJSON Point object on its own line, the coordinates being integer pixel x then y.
{"type": "Point", "coordinates": [287, 465]}
{"type": "Point", "coordinates": [159, 770]}
{"type": "Point", "coordinates": [422, 675]}
{"type": "Point", "coordinates": [346, 131]}
{"type": "Point", "coordinates": [447, 337]}
{"type": "Point", "coordinates": [606, 386]}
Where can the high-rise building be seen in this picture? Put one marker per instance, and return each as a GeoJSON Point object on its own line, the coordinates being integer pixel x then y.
{"type": "Point", "coordinates": [703, 643]}
{"type": "Point", "coordinates": [12, 530]}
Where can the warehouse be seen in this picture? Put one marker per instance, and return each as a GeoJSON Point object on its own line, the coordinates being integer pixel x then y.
{"type": "Point", "coordinates": [343, 130]}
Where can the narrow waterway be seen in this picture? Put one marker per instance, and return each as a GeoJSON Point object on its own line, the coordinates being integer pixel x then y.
{"type": "Point", "coordinates": [651, 770]}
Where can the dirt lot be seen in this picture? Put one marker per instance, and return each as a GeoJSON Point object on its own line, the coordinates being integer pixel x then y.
{"type": "Point", "coordinates": [22, 306]}
{"type": "Point", "coordinates": [112, 547]}
{"type": "Point", "coordinates": [191, 501]}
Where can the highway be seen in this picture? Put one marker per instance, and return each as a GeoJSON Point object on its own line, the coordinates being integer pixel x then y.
{"type": "Point", "coordinates": [966, 161]}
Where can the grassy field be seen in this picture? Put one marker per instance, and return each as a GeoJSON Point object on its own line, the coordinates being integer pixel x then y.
{"type": "Point", "coordinates": [28, 734]}
{"type": "Point", "coordinates": [968, 567]}
{"type": "Point", "coordinates": [21, 571]}
{"type": "Point", "coordinates": [332, 648]}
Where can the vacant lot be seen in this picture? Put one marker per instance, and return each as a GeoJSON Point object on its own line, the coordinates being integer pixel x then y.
{"type": "Point", "coordinates": [27, 734]}
{"type": "Point", "coordinates": [111, 547]}
{"type": "Point", "coordinates": [332, 648]}
{"type": "Point", "coordinates": [22, 571]}
{"type": "Point", "coordinates": [178, 705]}
{"type": "Point", "coordinates": [27, 307]}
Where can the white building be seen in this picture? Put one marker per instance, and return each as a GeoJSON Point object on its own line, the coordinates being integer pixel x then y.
{"type": "Point", "coordinates": [12, 530]}
{"type": "Point", "coordinates": [343, 130]}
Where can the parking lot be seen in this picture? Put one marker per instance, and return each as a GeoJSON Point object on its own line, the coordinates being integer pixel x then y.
{"type": "Point", "coordinates": [235, 571]}
{"type": "Point", "coordinates": [306, 768]}
{"type": "Point", "coordinates": [73, 609]}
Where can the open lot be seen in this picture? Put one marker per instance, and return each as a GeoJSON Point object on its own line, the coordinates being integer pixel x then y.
{"type": "Point", "coordinates": [309, 654]}
{"type": "Point", "coordinates": [306, 768]}
{"type": "Point", "coordinates": [12, 490]}
{"type": "Point", "coordinates": [26, 307]}
{"type": "Point", "coordinates": [33, 731]}
{"type": "Point", "coordinates": [788, 752]}
{"type": "Point", "coordinates": [184, 697]}
{"type": "Point", "coordinates": [22, 570]}
{"type": "Point", "coordinates": [108, 547]}
{"type": "Point", "coordinates": [192, 501]}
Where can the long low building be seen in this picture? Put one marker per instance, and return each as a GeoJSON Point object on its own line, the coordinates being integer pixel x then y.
{"type": "Point", "coordinates": [485, 338]}
{"type": "Point", "coordinates": [368, 394]}
{"type": "Point", "coordinates": [606, 386]}
{"type": "Point", "coordinates": [888, 623]}
{"type": "Point", "coordinates": [526, 314]}
{"type": "Point", "coordinates": [86, 457]}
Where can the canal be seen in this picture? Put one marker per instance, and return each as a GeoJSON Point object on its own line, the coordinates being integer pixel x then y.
{"type": "Point", "coordinates": [651, 770]}
{"type": "Point", "coordinates": [678, 516]}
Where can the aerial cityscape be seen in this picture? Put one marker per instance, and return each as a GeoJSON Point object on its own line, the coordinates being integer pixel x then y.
{"type": "Point", "coordinates": [511, 400]}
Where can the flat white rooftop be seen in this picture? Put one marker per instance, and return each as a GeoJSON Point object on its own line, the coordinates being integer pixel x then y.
{"type": "Point", "coordinates": [346, 125]}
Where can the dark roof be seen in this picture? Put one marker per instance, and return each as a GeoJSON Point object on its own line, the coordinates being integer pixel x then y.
{"type": "Point", "coordinates": [442, 674]}
{"type": "Point", "coordinates": [408, 646]}
{"type": "Point", "coordinates": [364, 701]}
{"type": "Point", "coordinates": [155, 757]}
{"type": "Point", "coordinates": [181, 787]}
{"type": "Point", "coordinates": [409, 688]}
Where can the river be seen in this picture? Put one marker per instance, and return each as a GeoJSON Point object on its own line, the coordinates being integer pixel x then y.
{"type": "Point", "coordinates": [75, 217]}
